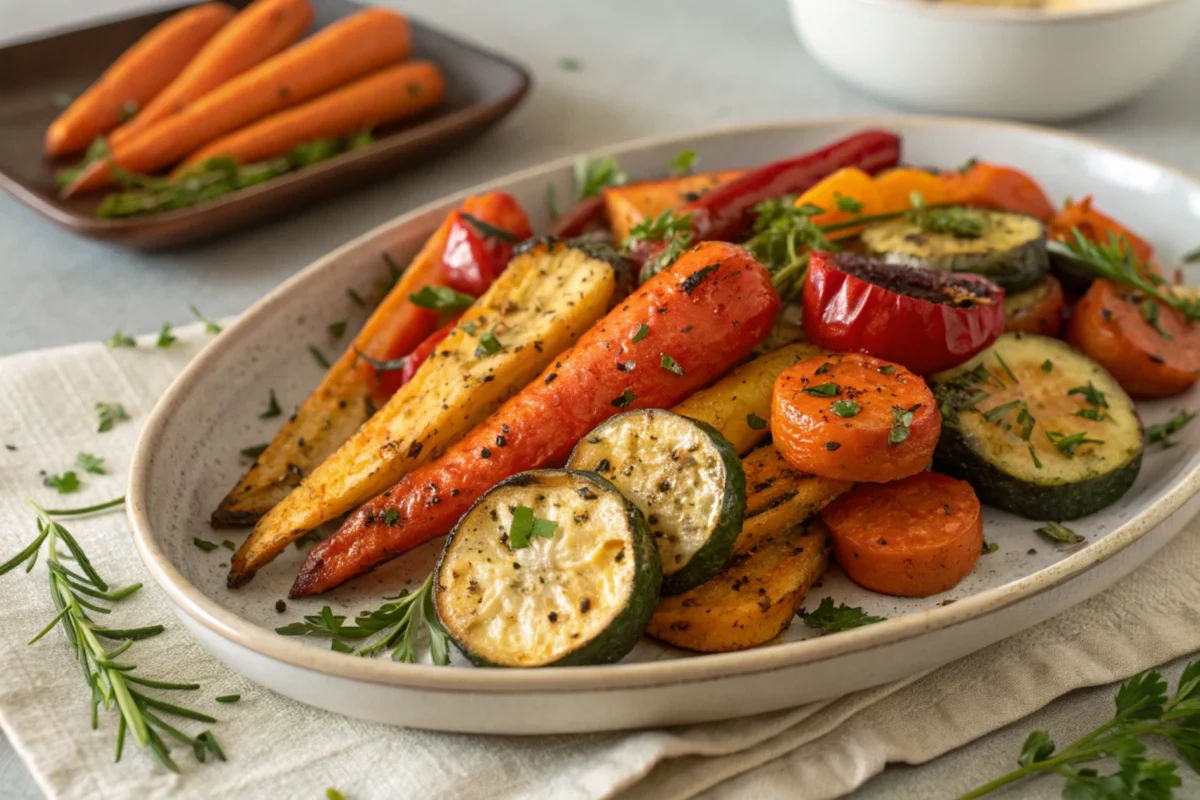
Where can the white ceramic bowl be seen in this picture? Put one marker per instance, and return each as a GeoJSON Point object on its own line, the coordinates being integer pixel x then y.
{"type": "Point", "coordinates": [1017, 63]}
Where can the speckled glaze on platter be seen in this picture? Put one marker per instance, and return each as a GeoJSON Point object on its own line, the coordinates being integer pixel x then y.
{"type": "Point", "coordinates": [188, 457]}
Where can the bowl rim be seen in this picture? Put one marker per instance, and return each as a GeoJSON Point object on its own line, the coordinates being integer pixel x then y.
{"type": "Point", "coordinates": [208, 613]}
{"type": "Point", "coordinates": [1002, 14]}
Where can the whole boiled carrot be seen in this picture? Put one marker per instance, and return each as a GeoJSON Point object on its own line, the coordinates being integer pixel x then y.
{"type": "Point", "coordinates": [378, 99]}
{"type": "Point", "coordinates": [352, 47]}
{"type": "Point", "coordinates": [707, 312]}
{"type": "Point", "coordinates": [262, 29]}
{"type": "Point", "coordinates": [135, 78]}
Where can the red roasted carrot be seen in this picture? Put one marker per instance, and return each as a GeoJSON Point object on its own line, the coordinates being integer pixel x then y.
{"type": "Point", "coordinates": [911, 538]}
{"type": "Point", "coordinates": [707, 312]}
{"type": "Point", "coordinates": [378, 99]}
{"type": "Point", "coordinates": [354, 46]}
{"type": "Point", "coordinates": [135, 78]}
{"type": "Point", "coordinates": [261, 30]}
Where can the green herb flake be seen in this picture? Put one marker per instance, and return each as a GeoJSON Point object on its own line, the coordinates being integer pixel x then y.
{"type": "Point", "coordinates": [229, 698]}
{"type": "Point", "coordinates": [356, 298]}
{"type": "Point", "coordinates": [165, 337]}
{"type": "Point", "coordinates": [228, 545]}
{"type": "Point", "coordinates": [120, 339]}
{"type": "Point", "coordinates": [109, 414]}
{"type": "Point", "coordinates": [336, 329]}
{"type": "Point", "coordinates": [488, 344]}
{"type": "Point", "coordinates": [273, 409]}
{"type": "Point", "coordinates": [1047, 366]}
{"type": "Point", "coordinates": [205, 545]}
{"type": "Point", "coordinates": [1068, 444]}
{"type": "Point", "coordinates": [1036, 462]}
{"type": "Point", "coordinates": [10, 447]}
{"type": "Point", "coordinates": [830, 619]}
{"type": "Point", "coordinates": [524, 527]}
{"type": "Point", "coordinates": [1004, 366]}
{"type": "Point", "coordinates": [593, 176]}
{"type": "Point", "coordinates": [886, 369]}
{"type": "Point", "coordinates": [901, 420]}
{"type": "Point", "coordinates": [997, 413]}
{"type": "Point", "coordinates": [440, 298]}
{"type": "Point", "coordinates": [989, 547]}
{"type": "Point", "coordinates": [626, 397]}
{"type": "Point", "coordinates": [390, 516]}
{"type": "Point", "coordinates": [488, 230]}
{"type": "Point", "coordinates": [643, 330]}
{"type": "Point", "coordinates": [570, 64]}
{"type": "Point", "coordinates": [1058, 532]}
{"type": "Point", "coordinates": [684, 163]}
{"type": "Point", "coordinates": [956, 221]}
{"type": "Point", "coordinates": [333, 794]}
{"type": "Point", "coordinates": [89, 463]}
{"type": "Point", "coordinates": [1160, 433]}
{"type": "Point", "coordinates": [1150, 313]}
{"type": "Point", "coordinates": [211, 328]}
{"type": "Point", "coordinates": [66, 483]}
{"type": "Point", "coordinates": [670, 365]}
{"type": "Point", "coordinates": [823, 390]}
{"type": "Point", "coordinates": [847, 204]}
{"type": "Point", "coordinates": [845, 408]}
{"type": "Point", "coordinates": [319, 357]}
{"type": "Point", "coordinates": [821, 370]}
{"type": "Point", "coordinates": [254, 451]}
{"type": "Point", "coordinates": [756, 422]}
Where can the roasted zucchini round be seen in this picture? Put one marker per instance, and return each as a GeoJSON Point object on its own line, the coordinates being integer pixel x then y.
{"type": "Point", "coordinates": [684, 476]}
{"type": "Point", "coordinates": [1038, 429]}
{"type": "Point", "coordinates": [1009, 250]}
{"type": "Point", "coordinates": [548, 568]}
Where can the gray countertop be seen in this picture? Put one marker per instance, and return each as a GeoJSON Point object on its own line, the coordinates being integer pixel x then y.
{"type": "Point", "coordinates": [649, 67]}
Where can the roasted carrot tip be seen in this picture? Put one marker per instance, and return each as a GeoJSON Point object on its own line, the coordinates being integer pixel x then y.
{"type": "Point", "coordinates": [854, 417]}
{"type": "Point", "coordinates": [910, 538]}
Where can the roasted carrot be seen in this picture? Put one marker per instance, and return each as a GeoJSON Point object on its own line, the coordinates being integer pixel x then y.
{"type": "Point", "coordinates": [911, 538]}
{"type": "Point", "coordinates": [845, 194]}
{"type": "Point", "coordinates": [1001, 188]}
{"type": "Point", "coordinates": [1150, 348]}
{"type": "Point", "coordinates": [1038, 309]}
{"type": "Point", "coordinates": [379, 99]}
{"type": "Point", "coordinates": [261, 30]}
{"type": "Point", "coordinates": [1097, 227]}
{"type": "Point", "coordinates": [345, 50]}
{"type": "Point", "coordinates": [707, 312]}
{"type": "Point", "coordinates": [135, 78]}
{"type": "Point", "coordinates": [896, 187]}
{"type": "Point", "coordinates": [633, 203]}
{"type": "Point", "coordinates": [854, 417]}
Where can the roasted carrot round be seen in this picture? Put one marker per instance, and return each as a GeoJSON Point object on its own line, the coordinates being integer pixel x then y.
{"type": "Point", "coordinates": [1150, 348]}
{"type": "Point", "coordinates": [379, 99]}
{"type": "Point", "coordinates": [1038, 309]}
{"type": "Point", "coordinates": [854, 417]}
{"type": "Point", "coordinates": [1001, 188]}
{"type": "Point", "coordinates": [135, 78]}
{"type": "Point", "coordinates": [347, 49]}
{"type": "Point", "coordinates": [909, 538]}
{"type": "Point", "coordinates": [897, 185]}
{"type": "Point", "coordinates": [262, 29]}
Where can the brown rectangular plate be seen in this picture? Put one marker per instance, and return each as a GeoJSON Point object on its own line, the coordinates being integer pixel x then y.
{"type": "Point", "coordinates": [481, 88]}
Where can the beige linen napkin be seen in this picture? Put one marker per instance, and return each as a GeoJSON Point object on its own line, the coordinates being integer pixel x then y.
{"type": "Point", "coordinates": [280, 748]}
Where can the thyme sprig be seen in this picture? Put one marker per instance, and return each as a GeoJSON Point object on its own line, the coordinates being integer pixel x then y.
{"type": "Point", "coordinates": [77, 593]}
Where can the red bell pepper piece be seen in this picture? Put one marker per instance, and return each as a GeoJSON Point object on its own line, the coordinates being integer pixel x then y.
{"type": "Point", "coordinates": [417, 357]}
{"type": "Point", "coordinates": [928, 321]}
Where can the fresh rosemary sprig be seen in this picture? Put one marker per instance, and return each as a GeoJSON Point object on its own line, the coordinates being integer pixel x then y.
{"type": "Point", "coordinates": [1115, 260]}
{"type": "Point", "coordinates": [1142, 709]}
{"type": "Point", "coordinates": [77, 591]}
{"type": "Point", "coordinates": [393, 626]}
{"type": "Point", "coordinates": [1161, 433]}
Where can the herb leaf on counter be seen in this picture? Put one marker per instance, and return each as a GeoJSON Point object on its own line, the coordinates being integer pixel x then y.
{"type": "Point", "coordinates": [120, 339]}
{"type": "Point", "coordinates": [165, 337]}
{"type": "Point", "coordinates": [66, 483]}
{"type": "Point", "coordinates": [684, 163]}
{"type": "Point", "coordinates": [593, 176]}
{"type": "Point", "coordinates": [210, 327]}
{"type": "Point", "coordinates": [108, 414]}
{"type": "Point", "coordinates": [89, 463]}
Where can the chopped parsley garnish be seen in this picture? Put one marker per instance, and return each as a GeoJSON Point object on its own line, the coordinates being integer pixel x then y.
{"type": "Point", "coordinates": [210, 327]}
{"type": "Point", "coordinates": [390, 516]}
{"type": "Point", "coordinates": [319, 357]}
{"type": "Point", "coordinates": [845, 408]}
{"type": "Point", "coordinates": [205, 545]}
{"type": "Point", "coordinates": [488, 344]}
{"type": "Point", "coordinates": [524, 527]}
{"type": "Point", "coordinates": [625, 399]}
{"type": "Point", "coordinates": [1067, 444]}
{"type": "Point", "coordinates": [66, 483]}
{"type": "Point", "coordinates": [592, 176]}
{"type": "Point", "coordinates": [1047, 366]}
{"type": "Point", "coordinates": [109, 414]}
{"type": "Point", "coordinates": [228, 545]}
{"type": "Point", "coordinates": [89, 463]}
{"type": "Point", "coordinates": [989, 547]}
{"type": "Point", "coordinates": [120, 339]}
{"type": "Point", "coordinates": [831, 619]}
{"type": "Point", "coordinates": [337, 329]}
{"type": "Point", "coordinates": [253, 451]}
{"type": "Point", "coordinates": [1090, 394]}
{"type": "Point", "coordinates": [440, 298]}
{"type": "Point", "coordinates": [886, 369]}
{"type": "Point", "coordinates": [821, 370]}
{"type": "Point", "coordinates": [489, 231]}
{"type": "Point", "coordinates": [755, 422]}
{"type": "Point", "coordinates": [229, 698]}
{"type": "Point", "coordinates": [643, 330]}
{"type": "Point", "coordinates": [1036, 462]}
{"type": "Point", "coordinates": [165, 337]}
{"type": "Point", "coordinates": [1004, 366]}
{"type": "Point", "coordinates": [1150, 311]}
{"type": "Point", "coordinates": [953, 220]}
{"type": "Point", "coordinates": [674, 232]}
{"type": "Point", "coordinates": [356, 298]}
{"type": "Point", "coordinates": [847, 204]}
{"type": "Point", "coordinates": [1158, 434]}
{"type": "Point", "coordinates": [823, 390]}
{"type": "Point", "coordinates": [273, 409]}
{"type": "Point", "coordinates": [682, 164]}
{"type": "Point", "coordinates": [570, 64]}
{"type": "Point", "coordinates": [1059, 533]}
{"type": "Point", "coordinates": [671, 365]}
{"type": "Point", "coordinates": [901, 420]}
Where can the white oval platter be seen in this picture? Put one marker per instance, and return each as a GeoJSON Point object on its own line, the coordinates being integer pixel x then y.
{"type": "Point", "coordinates": [187, 458]}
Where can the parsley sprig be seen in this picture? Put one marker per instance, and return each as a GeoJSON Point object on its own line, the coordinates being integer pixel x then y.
{"type": "Point", "coordinates": [954, 220]}
{"type": "Point", "coordinates": [1161, 433]}
{"type": "Point", "coordinates": [594, 175]}
{"type": "Point", "coordinates": [675, 232]}
{"type": "Point", "coordinates": [831, 619]}
{"type": "Point", "coordinates": [393, 626]}
{"type": "Point", "coordinates": [1142, 709]}
{"type": "Point", "coordinates": [1115, 260]}
{"type": "Point", "coordinates": [77, 590]}
{"type": "Point", "coordinates": [783, 236]}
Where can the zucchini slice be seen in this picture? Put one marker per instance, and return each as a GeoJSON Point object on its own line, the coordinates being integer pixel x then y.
{"type": "Point", "coordinates": [684, 476]}
{"type": "Point", "coordinates": [1010, 251]}
{"type": "Point", "coordinates": [1038, 429]}
{"type": "Point", "coordinates": [580, 589]}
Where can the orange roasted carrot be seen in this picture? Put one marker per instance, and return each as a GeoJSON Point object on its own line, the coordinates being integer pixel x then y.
{"type": "Point", "coordinates": [1097, 227]}
{"type": "Point", "coordinates": [707, 312]}
{"type": "Point", "coordinates": [1002, 188]}
{"type": "Point", "coordinates": [854, 417]}
{"type": "Point", "coordinates": [261, 30]}
{"type": "Point", "coordinates": [347, 49]}
{"type": "Point", "coordinates": [135, 78]}
{"type": "Point", "coordinates": [911, 538]}
{"type": "Point", "coordinates": [1149, 347]}
{"type": "Point", "coordinates": [378, 99]}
